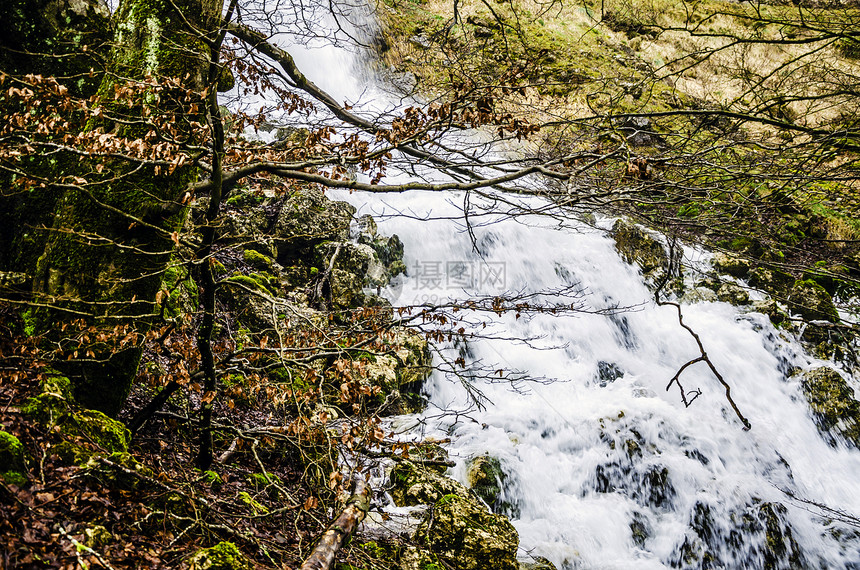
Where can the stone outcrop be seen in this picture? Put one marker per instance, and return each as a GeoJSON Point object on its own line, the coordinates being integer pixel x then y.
{"type": "Point", "coordinates": [812, 302]}
{"type": "Point", "coordinates": [637, 245]}
{"type": "Point", "coordinates": [459, 529]}
{"type": "Point", "coordinates": [834, 407]}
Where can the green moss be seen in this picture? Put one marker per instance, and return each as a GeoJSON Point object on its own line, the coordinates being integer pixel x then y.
{"type": "Point", "coordinates": [86, 430]}
{"type": "Point", "coordinates": [245, 199]}
{"type": "Point", "coordinates": [261, 282]}
{"type": "Point", "coordinates": [257, 260]}
{"type": "Point", "coordinates": [812, 302]}
{"type": "Point", "coordinates": [12, 463]}
{"type": "Point", "coordinates": [256, 506]}
{"type": "Point", "coordinates": [223, 556]}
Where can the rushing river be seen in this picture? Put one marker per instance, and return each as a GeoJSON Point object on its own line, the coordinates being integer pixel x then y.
{"type": "Point", "coordinates": [604, 467]}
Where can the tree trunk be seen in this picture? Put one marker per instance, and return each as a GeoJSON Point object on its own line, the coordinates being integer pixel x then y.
{"type": "Point", "coordinates": [343, 526]}
{"type": "Point", "coordinates": [44, 37]}
{"type": "Point", "coordinates": [114, 234]}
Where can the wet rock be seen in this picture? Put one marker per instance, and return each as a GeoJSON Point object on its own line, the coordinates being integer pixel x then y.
{"type": "Point", "coordinates": [608, 372]}
{"type": "Point", "coordinates": [833, 404]}
{"type": "Point", "coordinates": [731, 265]}
{"type": "Point", "coordinates": [757, 536]}
{"type": "Point", "coordinates": [464, 534]}
{"type": "Point", "coordinates": [486, 478]}
{"type": "Point", "coordinates": [640, 529]}
{"type": "Point", "coordinates": [648, 485]}
{"type": "Point", "coordinates": [699, 295]}
{"type": "Point", "coordinates": [733, 294]}
{"type": "Point", "coordinates": [636, 245]}
{"type": "Point", "coordinates": [539, 563]}
{"type": "Point", "coordinates": [770, 308]}
{"type": "Point", "coordinates": [222, 556]}
{"type": "Point", "coordinates": [812, 302]}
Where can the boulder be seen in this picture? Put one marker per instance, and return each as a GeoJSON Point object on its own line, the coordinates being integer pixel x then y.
{"type": "Point", "coordinates": [464, 534]}
{"type": "Point", "coordinates": [12, 465]}
{"type": "Point", "coordinates": [636, 245]}
{"type": "Point", "coordinates": [733, 294]}
{"type": "Point", "coordinates": [812, 302]}
{"type": "Point", "coordinates": [731, 265]}
{"type": "Point", "coordinates": [416, 485]}
{"type": "Point", "coordinates": [486, 478]}
{"type": "Point", "coordinates": [307, 218]}
{"type": "Point", "coordinates": [833, 404]}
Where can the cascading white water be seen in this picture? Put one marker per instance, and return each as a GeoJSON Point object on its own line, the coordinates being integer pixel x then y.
{"type": "Point", "coordinates": [612, 471]}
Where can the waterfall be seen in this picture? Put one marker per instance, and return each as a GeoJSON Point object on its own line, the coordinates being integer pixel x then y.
{"type": "Point", "coordinates": [605, 468]}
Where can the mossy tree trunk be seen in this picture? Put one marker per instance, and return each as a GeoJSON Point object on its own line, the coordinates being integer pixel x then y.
{"type": "Point", "coordinates": [114, 233]}
{"type": "Point", "coordinates": [52, 38]}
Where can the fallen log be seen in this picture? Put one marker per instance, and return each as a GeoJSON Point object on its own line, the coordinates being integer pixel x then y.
{"type": "Point", "coordinates": [343, 526]}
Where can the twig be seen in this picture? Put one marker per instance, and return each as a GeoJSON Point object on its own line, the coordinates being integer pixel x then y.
{"type": "Point", "coordinates": [703, 354]}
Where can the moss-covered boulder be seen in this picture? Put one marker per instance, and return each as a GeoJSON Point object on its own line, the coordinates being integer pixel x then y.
{"type": "Point", "coordinates": [86, 431]}
{"type": "Point", "coordinates": [465, 535]}
{"type": "Point", "coordinates": [733, 294]}
{"type": "Point", "coordinates": [12, 464]}
{"type": "Point", "coordinates": [637, 246]}
{"type": "Point", "coordinates": [812, 302]}
{"type": "Point", "coordinates": [833, 405]}
{"type": "Point", "coordinates": [307, 218]}
{"type": "Point", "coordinates": [731, 265]}
{"type": "Point", "coordinates": [486, 478]}
{"type": "Point", "coordinates": [414, 558]}
{"type": "Point", "coordinates": [222, 556]}
{"type": "Point", "coordinates": [413, 484]}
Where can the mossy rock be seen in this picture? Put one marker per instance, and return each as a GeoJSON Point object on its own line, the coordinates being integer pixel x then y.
{"type": "Point", "coordinates": [733, 294]}
{"type": "Point", "coordinates": [812, 302]}
{"type": "Point", "coordinates": [414, 558]}
{"type": "Point", "coordinates": [308, 218]}
{"type": "Point", "coordinates": [486, 479]}
{"type": "Point", "coordinates": [416, 485]}
{"type": "Point", "coordinates": [12, 463]}
{"type": "Point", "coordinates": [833, 404]}
{"type": "Point", "coordinates": [463, 533]}
{"type": "Point", "coordinates": [539, 563]}
{"type": "Point", "coordinates": [771, 280]}
{"type": "Point", "coordinates": [120, 471]}
{"type": "Point", "coordinates": [731, 265]}
{"type": "Point", "coordinates": [637, 246]}
{"type": "Point", "coordinates": [223, 556]}
{"type": "Point", "coordinates": [257, 260]}
{"type": "Point", "coordinates": [54, 407]}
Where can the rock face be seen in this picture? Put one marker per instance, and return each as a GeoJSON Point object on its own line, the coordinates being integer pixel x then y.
{"type": "Point", "coordinates": [812, 302]}
{"type": "Point", "coordinates": [637, 246]}
{"type": "Point", "coordinates": [834, 407]}
{"type": "Point", "coordinates": [463, 533]}
{"type": "Point", "coordinates": [460, 530]}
